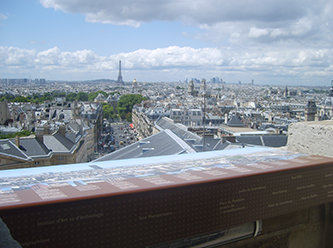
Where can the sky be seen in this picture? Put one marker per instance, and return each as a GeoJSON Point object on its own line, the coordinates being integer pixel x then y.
{"type": "Point", "coordinates": [278, 42]}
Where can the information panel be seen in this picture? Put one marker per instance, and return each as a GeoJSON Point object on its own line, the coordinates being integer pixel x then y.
{"type": "Point", "coordinates": [148, 201]}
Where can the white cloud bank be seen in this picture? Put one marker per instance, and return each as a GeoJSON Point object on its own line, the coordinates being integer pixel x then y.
{"type": "Point", "coordinates": [173, 62]}
{"type": "Point", "coordinates": [274, 20]}
{"type": "Point", "coordinates": [286, 41]}
{"type": "Point", "coordinates": [136, 12]}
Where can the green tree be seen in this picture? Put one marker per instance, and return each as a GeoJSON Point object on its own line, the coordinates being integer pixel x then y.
{"type": "Point", "coordinates": [20, 99]}
{"type": "Point", "coordinates": [13, 135]}
{"type": "Point", "coordinates": [93, 95]}
{"type": "Point", "coordinates": [71, 97]}
{"type": "Point", "coordinates": [7, 97]}
{"type": "Point", "coordinates": [126, 103]}
{"type": "Point", "coordinates": [47, 97]}
{"type": "Point", "coordinates": [81, 96]}
{"type": "Point", "coordinates": [128, 117]}
{"type": "Point", "coordinates": [59, 94]}
{"type": "Point", "coordinates": [107, 111]}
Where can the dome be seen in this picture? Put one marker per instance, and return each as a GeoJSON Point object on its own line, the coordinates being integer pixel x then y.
{"type": "Point", "coordinates": [328, 101]}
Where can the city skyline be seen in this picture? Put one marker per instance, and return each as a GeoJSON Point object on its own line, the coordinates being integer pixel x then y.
{"type": "Point", "coordinates": [168, 40]}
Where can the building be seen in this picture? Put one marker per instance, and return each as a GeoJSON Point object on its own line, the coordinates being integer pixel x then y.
{"type": "Point", "coordinates": [191, 89]}
{"type": "Point", "coordinates": [326, 106]}
{"type": "Point", "coordinates": [187, 117]}
{"type": "Point", "coordinates": [311, 111]}
{"type": "Point", "coordinates": [4, 113]}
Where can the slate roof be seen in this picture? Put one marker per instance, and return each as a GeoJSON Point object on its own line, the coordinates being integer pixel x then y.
{"type": "Point", "coordinates": [264, 140]}
{"type": "Point", "coordinates": [58, 143]}
{"type": "Point", "coordinates": [164, 123]}
{"type": "Point", "coordinates": [32, 147]}
{"type": "Point", "coordinates": [151, 146]}
{"type": "Point", "coordinates": [275, 140]}
{"type": "Point", "coordinates": [253, 140]}
{"type": "Point", "coordinates": [9, 148]}
{"type": "Point", "coordinates": [221, 146]}
{"type": "Point", "coordinates": [235, 122]}
{"type": "Point", "coordinates": [99, 97]}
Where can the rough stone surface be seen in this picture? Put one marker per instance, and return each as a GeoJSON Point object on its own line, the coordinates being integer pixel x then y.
{"type": "Point", "coordinates": [315, 137]}
{"type": "Point", "coordinates": [307, 228]}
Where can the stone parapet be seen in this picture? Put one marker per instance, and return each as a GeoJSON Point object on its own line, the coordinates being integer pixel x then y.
{"type": "Point", "coordinates": [315, 137]}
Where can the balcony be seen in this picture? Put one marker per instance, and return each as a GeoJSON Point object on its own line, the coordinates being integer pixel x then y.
{"type": "Point", "coordinates": [252, 197]}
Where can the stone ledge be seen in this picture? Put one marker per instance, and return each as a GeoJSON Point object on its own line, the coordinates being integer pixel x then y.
{"type": "Point", "coordinates": [315, 137]}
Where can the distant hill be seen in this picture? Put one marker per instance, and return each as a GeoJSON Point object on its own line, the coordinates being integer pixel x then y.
{"type": "Point", "coordinates": [104, 80]}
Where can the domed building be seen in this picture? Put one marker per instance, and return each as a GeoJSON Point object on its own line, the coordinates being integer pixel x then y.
{"type": "Point", "coordinates": [326, 107]}
{"type": "Point", "coordinates": [135, 83]}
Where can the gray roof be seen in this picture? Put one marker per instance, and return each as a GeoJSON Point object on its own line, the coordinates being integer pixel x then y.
{"type": "Point", "coordinates": [253, 140]}
{"type": "Point", "coordinates": [165, 123]}
{"type": "Point", "coordinates": [235, 122]}
{"type": "Point", "coordinates": [32, 147]}
{"type": "Point", "coordinates": [221, 146]}
{"type": "Point", "coordinates": [162, 143]}
{"type": "Point", "coordinates": [264, 140]}
{"type": "Point", "coordinates": [10, 149]}
{"type": "Point", "coordinates": [275, 140]}
{"type": "Point", "coordinates": [58, 143]}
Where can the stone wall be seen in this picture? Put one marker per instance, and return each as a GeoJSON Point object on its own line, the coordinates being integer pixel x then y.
{"type": "Point", "coordinates": [315, 137]}
{"type": "Point", "coordinates": [307, 228]}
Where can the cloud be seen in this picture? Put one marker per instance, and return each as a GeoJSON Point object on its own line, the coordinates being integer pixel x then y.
{"type": "Point", "coordinates": [134, 13]}
{"type": "Point", "coordinates": [3, 17]}
{"type": "Point", "coordinates": [241, 24]}
{"type": "Point", "coordinates": [167, 64]}
{"type": "Point", "coordinates": [257, 32]}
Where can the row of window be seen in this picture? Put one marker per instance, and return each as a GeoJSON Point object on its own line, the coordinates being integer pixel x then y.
{"type": "Point", "coordinates": [186, 113]}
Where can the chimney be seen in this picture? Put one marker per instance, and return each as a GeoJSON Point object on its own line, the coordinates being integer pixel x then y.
{"type": "Point", "coordinates": [17, 141]}
{"type": "Point", "coordinates": [230, 138]}
{"type": "Point", "coordinates": [40, 134]}
{"type": "Point", "coordinates": [62, 130]}
{"type": "Point", "coordinates": [46, 130]}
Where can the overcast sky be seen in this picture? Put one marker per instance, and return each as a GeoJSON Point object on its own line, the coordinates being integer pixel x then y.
{"type": "Point", "coordinates": [285, 42]}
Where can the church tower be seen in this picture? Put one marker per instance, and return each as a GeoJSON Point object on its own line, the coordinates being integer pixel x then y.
{"type": "Point", "coordinates": [310, 111]}
{"type": "Point", "coordinates": [286, 92]}
{"type": "Point", "coordinates": [203, 85]}
{"type": "Point", "coordinates": [191, 88]}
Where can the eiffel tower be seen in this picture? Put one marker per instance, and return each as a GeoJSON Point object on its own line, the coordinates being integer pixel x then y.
{"type": "Point", "coordinates": [120, 78]}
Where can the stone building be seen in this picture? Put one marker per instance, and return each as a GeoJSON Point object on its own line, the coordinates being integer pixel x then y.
{"type": "Point", "coordinates": [4, 113]}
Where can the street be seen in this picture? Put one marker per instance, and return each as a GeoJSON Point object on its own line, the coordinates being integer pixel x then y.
{"type": "Point", "coordinates": [114, 136]}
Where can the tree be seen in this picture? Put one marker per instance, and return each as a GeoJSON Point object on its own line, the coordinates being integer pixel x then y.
{"type": "Point", "coordinates": [13, 135]}
{"type": "Point", "coordinates": [20, 99]}
{"type": "Point", "coordinates": [81, 96]}
{"type": "Point", "coordinates": [47, 97]}
{"type": "Point", "coordinates": [126, 103]}
{"type": "Point", "coordinates": [71, 97]}
{"type": "Point", "coordinates": [59, 94]}
{"type": "Point", "coordinates": [93, 95]}
{"type": "Point", "coordinates": [107, 111]}
{"type": "Point", "coordinates": [128, 117]}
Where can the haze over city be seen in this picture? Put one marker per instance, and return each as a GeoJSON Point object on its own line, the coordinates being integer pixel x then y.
{"type": "Point", "coordinates": [273, 42]}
